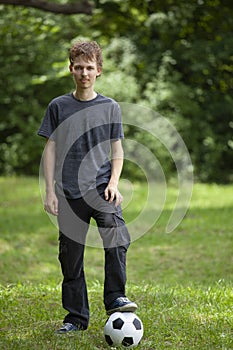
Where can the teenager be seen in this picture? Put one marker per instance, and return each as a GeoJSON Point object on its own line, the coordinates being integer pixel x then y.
{"type": "Point", "coordinates": [83, 160]}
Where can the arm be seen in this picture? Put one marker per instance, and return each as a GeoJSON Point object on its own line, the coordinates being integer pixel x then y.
{"type": "Point", "coordinates": [111, 191]}
{"type": "Point", "coordinates": [51, 201]}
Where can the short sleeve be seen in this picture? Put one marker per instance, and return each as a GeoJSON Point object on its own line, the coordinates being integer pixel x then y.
{"type": "Point", "coordinates": [49, 122]}
{"type": "Point", "coordinates": [116, 127]}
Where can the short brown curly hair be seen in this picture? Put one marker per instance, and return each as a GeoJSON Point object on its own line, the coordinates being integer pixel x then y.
{"type": "Point", "coordinates": [90, 50]}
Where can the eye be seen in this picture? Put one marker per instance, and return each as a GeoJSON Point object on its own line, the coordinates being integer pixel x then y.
{"type": "Point", "coordinates": [77, 67]}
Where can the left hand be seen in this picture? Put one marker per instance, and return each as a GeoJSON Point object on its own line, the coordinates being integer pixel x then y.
{"type": "Point", "coordinates": [112, 193]}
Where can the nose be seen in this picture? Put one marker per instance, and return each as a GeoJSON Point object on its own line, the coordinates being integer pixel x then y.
{"type": "Point", "coordinates": [84, 71]}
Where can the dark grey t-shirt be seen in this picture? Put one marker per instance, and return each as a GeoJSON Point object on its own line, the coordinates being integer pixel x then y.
{"type": "Point", "coordinates": [83, 132]}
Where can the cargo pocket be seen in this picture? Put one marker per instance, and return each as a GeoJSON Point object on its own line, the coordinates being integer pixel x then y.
{"type": "Point", "coordinates": [123, 236]}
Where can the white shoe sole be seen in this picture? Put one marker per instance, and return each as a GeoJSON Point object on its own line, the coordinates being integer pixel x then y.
{"type": "Point", "coordinates": [132, 307]}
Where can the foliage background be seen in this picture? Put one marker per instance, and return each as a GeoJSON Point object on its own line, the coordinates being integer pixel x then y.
{"type": "Point", "coordinates": [175, 57]}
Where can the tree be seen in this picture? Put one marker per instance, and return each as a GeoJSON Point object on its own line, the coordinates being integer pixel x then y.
{"type": "Point", "coordinates": [174, 57]}
{"type": "Point", "coordinates": [72, 7]}
{"type": "Point", "coordinates": [25, 57]}
{"type": "Point", "coordinates": [189, 77]}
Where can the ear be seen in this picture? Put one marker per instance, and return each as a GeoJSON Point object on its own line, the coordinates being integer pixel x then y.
{"type": "Point", "coordinates": [99, 70]}
{"type": "Point", "coordinates": [71, 68]}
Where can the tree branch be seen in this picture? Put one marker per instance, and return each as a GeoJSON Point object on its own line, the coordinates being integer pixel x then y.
{"type": "Point", "coordinates": [66, 9]}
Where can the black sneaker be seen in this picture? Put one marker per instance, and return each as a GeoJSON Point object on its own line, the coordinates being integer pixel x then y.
{"type": "Point", "coordinates": [66, 328]}
{"type": "Point", "coordinates": [121, 304]}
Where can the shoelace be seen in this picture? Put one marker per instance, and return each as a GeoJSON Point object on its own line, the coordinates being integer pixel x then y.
{"type": "Point", "coordinates": [123, 299]}
{"type": "Point", "coordinates": [67, 326]}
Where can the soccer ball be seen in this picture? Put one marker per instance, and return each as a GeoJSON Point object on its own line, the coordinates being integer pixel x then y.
{"type": "Point", "coordinates": [123, 328]}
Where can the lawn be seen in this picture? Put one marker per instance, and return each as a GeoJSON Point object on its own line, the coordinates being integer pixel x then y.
{"type": "Point", "coordinates": [182, 281]}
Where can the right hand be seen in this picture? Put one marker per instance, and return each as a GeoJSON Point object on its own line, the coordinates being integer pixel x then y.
{"type": "Point", "coordinates": [51, 203]}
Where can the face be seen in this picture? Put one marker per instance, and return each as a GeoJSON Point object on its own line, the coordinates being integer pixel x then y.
{"type": "Point", "coordinates": [84, 73]}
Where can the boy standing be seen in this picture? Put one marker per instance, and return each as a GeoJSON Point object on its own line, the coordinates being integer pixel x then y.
{"type": "Point", "coordinates": [81, 129]}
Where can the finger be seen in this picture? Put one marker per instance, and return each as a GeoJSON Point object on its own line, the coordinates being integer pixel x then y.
{"type": "Point", "coordinates": [51, 209]}
{"type": "Point", "coordinates": [55, 207]}
{"type": "Point", "coordinates": [112, 197]}
{"type": "Point", "coordinates": [106, 194]}
{"type": "Point", "coordinates": [53, 213]}
{"type": "Point", "coordinates": [119, 199]}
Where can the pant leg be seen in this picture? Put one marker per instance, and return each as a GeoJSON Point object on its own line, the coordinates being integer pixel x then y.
{"type": "Point", "coordinates": [115, 274]}
{"type": "Point", "coordinates": [116, 241]}
{"type": "Point", "coordinates": [71, 257]}
{"type": "Point", "coordinates": [74, 290]}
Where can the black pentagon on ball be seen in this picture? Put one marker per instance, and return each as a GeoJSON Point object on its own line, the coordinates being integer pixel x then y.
{"type": "Point", "coordinates": [137, 324]}
{"type": "Point", "coordinates": [127, 341]}
{"type": "Point", "coordinates": [117, 324]}
{"type": "Point", "coordinates": [108, 339]}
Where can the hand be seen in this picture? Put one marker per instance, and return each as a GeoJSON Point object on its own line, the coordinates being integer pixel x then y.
{"type": "Point", "coordinates": [111, 193]}
{"type": "Point", "coordinates": [51, 204]}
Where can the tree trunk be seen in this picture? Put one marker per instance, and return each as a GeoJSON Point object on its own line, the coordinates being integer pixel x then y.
{"type": "Point", "coordinates": [66, 9]}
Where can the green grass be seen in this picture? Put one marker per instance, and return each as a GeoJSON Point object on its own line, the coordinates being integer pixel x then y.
{"type": "Point", "coordinates": [182, 281]}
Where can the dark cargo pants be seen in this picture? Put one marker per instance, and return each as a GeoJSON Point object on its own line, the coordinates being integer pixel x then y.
{"type": "Point", "coordinates": [73, 226]}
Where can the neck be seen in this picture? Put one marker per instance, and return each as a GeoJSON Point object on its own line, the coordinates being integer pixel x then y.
{"type": "Point", "coordinates": [85, 95]}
